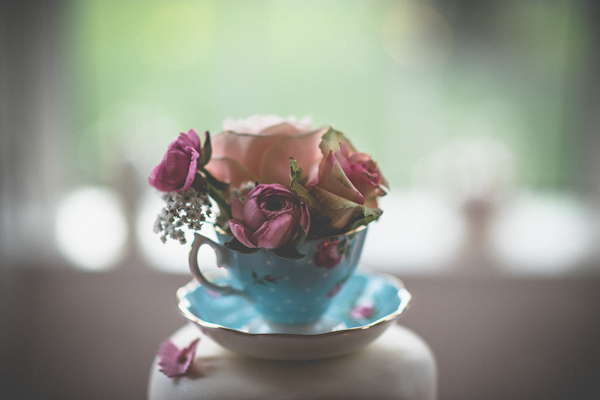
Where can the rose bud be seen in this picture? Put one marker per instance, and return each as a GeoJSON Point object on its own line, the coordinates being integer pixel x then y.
{"type": "Point", "coordinates": [272, 217]}
{"type": "Point", "coordinates": [177, 169]}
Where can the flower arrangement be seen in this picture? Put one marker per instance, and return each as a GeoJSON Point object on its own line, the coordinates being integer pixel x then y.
{"type": "Point", "coordinates": [269, 182]}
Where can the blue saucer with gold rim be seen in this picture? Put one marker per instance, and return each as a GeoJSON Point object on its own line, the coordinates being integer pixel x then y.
{"type": "Point", "coordinates": [361, 311]}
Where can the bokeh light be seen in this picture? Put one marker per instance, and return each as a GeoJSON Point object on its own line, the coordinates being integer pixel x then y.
{"type": "Point", "coordinates": [417, 234]}
{"type": "Point", "coordinates": [460, 106]}
{"type": "Point", "coordinates": [91, 230]}
{"type": "Point", "coordinates": [542, 234]}
{"type": "Point", "coordinates": [176, 35]}
{"type": "Point", "coordinates": [417, 36]}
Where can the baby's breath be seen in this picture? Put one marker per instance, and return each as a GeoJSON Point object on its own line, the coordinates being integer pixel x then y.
{"type": "Point", "coordinates": [189, 208]}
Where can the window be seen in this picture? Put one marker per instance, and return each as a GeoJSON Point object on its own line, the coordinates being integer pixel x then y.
{"type": "Point", "coordinates": [464, 105]}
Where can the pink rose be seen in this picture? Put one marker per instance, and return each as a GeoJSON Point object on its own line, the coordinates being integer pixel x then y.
{"type": "Point", "coordinates": [363, 173]}
{"type": "Point", "coordinates": [327, 255]}
{"type": "Point", "coordinates": [347, 183]}
{"type": "Point", "coordinates": [333, 179]}
{"type": "Point", "coordinates": [259, 149]}
{"type": "Point", "coordinates": [271, 217]}
{"type": "Point", "coordinates": [339, 199]}
{"type": "Point", "coordinates": [177, 169]}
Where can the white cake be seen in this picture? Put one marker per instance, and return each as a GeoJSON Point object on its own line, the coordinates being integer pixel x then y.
{"type": "Point", "coordinates": [398, 365]}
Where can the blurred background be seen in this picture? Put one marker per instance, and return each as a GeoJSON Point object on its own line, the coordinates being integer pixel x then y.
{"type": "Point", "coordinates": [482, 115]}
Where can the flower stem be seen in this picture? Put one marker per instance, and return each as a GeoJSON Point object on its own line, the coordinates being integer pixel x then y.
{"type": "Point", "coordinates": [217, 196]}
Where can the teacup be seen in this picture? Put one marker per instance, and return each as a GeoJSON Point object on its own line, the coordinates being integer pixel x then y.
{"type": "Point", "coordinates": [285, 291]}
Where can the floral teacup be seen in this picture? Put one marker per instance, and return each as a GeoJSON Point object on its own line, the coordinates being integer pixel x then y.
{"type": "Point", "coordinates": [286, 291]}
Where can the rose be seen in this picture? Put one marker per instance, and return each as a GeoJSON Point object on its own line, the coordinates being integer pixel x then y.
{"type": "Point", "coordinates": [359, 168]}
{"type": "Point", "coordinates": [363, 173]}
{"type": "Point", "coordinates": [259, 149]}
{"type": "Point", "coordinates": [332, 179]}
{"type": "Point", "coordinates": [272, 217]}
{"type": "Point", "coordinates": [177, 169]}
{"type": "Point", "coordinates": [327, 254]}
{"type": "Point", "coordinates": [347, 183]}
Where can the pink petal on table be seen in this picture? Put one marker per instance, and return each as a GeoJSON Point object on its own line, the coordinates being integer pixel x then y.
{"type": "Point", "coordinates": [174, 361]}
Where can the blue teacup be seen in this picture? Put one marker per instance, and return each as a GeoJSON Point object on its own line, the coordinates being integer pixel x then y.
{"type": "Point", "coordinates": [286, 291]}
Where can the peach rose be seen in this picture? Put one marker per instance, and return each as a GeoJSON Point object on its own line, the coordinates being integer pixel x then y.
{"type": "Point", "coordinates": [259, 149]}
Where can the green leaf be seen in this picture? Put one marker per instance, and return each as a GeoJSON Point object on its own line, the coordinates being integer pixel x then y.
{"type": "Point", "coordinates": [330, 141]}
{"type": "Point", "coordinates": [295, 172]}
{"type": "Point", "coordinates": [299, 190]}
{"type": "Point", "coordinates": [370, 215]}
{"type": "Point", "coordinates": [216, 194]}
{"type": "Point", "coordinates": [288, 252]}
{"type": "Point", "coordinates": [236, 245]}
{"type": "Point", "coordinates": [347, 214]}
{"type": "Point", "coordinates": [200, 183]}
{"type": "Point", "coordinates": [206, 149]}
{"type": "Point", "coordinates": [301, 238]}
{"type": "Point", "coordinates": [222, 186]}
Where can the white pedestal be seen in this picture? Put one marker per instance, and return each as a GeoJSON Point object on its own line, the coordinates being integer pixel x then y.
{"type": "Point", "coordinates": [398, 365]}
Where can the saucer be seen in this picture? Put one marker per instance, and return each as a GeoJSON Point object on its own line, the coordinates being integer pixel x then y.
{"type": "Point", "coordinates": [364, 308]}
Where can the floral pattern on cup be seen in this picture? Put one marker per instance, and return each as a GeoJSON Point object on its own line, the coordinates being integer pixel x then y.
{"type": "Point", "coordinates": [335, 290]}
{"type": "Point", "coordinates": [284, 291]}
{"type": "Point", "coordinates": [362, 311]}
{"type": "Point", "coordinates": [338, 286]}
{"type": "Point", "coordinates": [265, 279]}
{"type": "Point", "coordinates": [331, 252]}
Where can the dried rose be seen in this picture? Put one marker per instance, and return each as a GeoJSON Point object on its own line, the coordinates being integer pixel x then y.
{"type": "Point", "coordinates": [341, 172]}
{"type": "Point", "coordinates": [359, 168]}
{"type": "Point", "coordinates": [363, 173]}
{"type": "Point", "coordinates": [177, 170]}
{"type": "Point", "coordinates": [272, 217]}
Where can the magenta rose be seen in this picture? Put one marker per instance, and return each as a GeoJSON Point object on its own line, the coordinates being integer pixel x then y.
{"type": "Point", "coordinates": [272, 217]}
{"type": "Point", "coordinates": [177, 169]}
{"type": "Point", "coordinates": [259, 149]}
{"type": "Point", "coordinates": [327, 255]}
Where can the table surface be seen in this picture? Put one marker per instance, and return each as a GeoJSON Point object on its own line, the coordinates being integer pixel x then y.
{"type": "Point", "coordinates": [398, 365]}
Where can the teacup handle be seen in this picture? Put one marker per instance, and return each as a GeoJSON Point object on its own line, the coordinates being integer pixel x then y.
{"type": "Point", "coordinates": [223, 260]}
